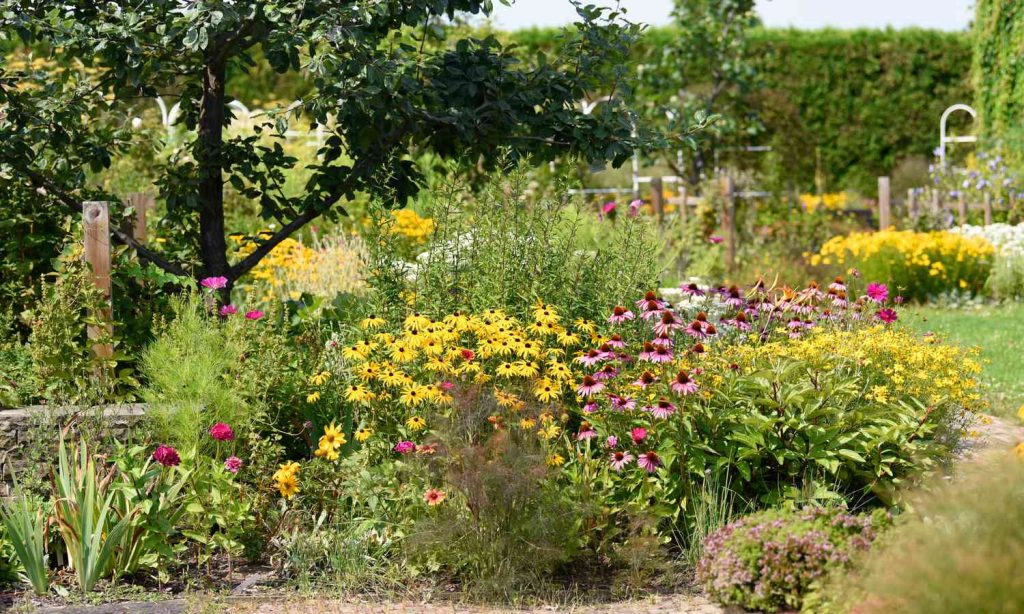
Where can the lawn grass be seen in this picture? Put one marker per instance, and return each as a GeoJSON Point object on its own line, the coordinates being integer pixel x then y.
{"type": "Point", "coordinates": [998, 331]}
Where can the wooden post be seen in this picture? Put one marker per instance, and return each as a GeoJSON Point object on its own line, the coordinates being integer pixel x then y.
{"type": "Point", "coordinates": [912, 204]}
{"type": "Point", "coordinates": [936, 202]}
{"type": "Point", "coordinates": [961, 208]}
{"type": "Point", "coordinates": [142, 204]}
{"type": "Point", "coordinates": [96, 220]}
{"type": "Point", "coordinates": [684, 207]}
{"type": "Point", "coordinates": [884, 204]}
{"type": "Point", "coordinates": [658, 198]}
{"type": "Point", "coordinates": [729, 222]}
{"type": "Point", "coordinates": [988, 208]}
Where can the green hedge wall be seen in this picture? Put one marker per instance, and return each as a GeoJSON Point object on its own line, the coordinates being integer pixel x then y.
{"type": "Point", "coordinates": [868, 99]}
{"type": "Point", "coordinates": [999, 74]}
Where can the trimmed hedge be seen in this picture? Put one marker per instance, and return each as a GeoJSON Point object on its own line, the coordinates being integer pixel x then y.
{"type": "Point", "coordinates": [867, 98]}
{"type": "Point", "coordinates": [999, 74]}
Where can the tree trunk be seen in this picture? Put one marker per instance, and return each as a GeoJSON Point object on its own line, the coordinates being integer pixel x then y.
{"type": "Point", "coordinates": [209, 159]}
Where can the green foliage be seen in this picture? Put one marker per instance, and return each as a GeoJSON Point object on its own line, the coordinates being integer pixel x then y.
{"type": "Point", "coordinates": [15, 364]}
{"type": "Point", "coordinates": [998, 35]}
{"type": "Point", "coordinates": [24, 520]}
{"type": "Point", "coordinates": [215, 510]}
{"type": "Point", "coordinates": [769, 560]}
{"type": "Point", "coordinates": [960, 549]}
{"type": "Point", "coordinates": [86, 519]}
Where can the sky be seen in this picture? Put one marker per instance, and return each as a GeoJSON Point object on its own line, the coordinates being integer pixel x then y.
{"type": "Point", "coordinates": [939, 14]}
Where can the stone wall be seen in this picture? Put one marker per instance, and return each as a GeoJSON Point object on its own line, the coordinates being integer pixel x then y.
{"type": "Point", "coordinates": [16, 426]}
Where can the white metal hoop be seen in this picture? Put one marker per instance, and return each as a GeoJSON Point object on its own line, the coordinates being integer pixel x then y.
{"type": "Point", "coordinates": [945, 138]}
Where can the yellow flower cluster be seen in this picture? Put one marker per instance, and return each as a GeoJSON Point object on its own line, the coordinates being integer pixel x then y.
{"type": "Point", "coordinates": [409, 224]}
{"type": "Point", "coordinates": [834, 201]}
{"type": "Point", "coordinates": [287, 479]}
{"type": "Point", "coordinates": [922, 262]}
{"type": "Point", "coordinates": [332, 266]}
{"type": "Point", "coordinates": [902, 364]}
{"type": "Point", "coordinates": [330, 442]}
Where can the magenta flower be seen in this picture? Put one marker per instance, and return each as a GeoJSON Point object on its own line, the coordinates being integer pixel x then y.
{"type": "Point", "coordinates": [622, 403]}
{"type": "Point", "coordinates": [221, 432]}
{"type": "Point", "coordinates": [715, 239]}
{"type": "Point", "coordinates": [590, 407]}
{"type": "Point", "coordinates": [634, 207]}
{"type": "Point", "coordinates": [649, 461]}
{"type": "Point", "coordinates": [446, 385]}
{"type": "Point", "coordinates": [612, 441]}
{"type": "Point", "coordinates": [214, 283]}
{"type": "Point", "coordinates": [620, 458]}
{"type": "Point", "coordinates": [887, 315]}
{"type": "Point", "coordinates": [620, 315]}
{"type": "Point", "coordinates": [233, 464]}
{"type": "Point", "coordinates": [608, 207]}
{"type": "Point", "coordinates": [638, 434]}
{"type": "Point", "coordinates": [166, 456]}
{"type": "Point", "coordinates": [667, 324]}
{"type": "Point", "coordinates": [591, 358]}
{"type": "Point", "coordinates": [228, 310]}
{"type": "Point", "coordinates": [405, 447]}
{"type": "Point", "coordinates": [254, 314]}
{"type": "Point", "coordinates": [878, 292]}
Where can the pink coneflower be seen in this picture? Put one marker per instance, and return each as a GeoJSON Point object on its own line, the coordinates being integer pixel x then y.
{"type": "Point", "coordinates": [253, 314]}
{"type": "Point", "coordinates": [795, 324]}
{"type": "Point", "coordinates": [222, 432]}
{"type": "Point", "coordinates": [589, 386]}
{"type": "Point", "coordinates": [668, 323]}
{"type": "Point", "coordinates": [634, 207]}
{"type": "Point", "coordinates": [837, 285]}
{"type": "Point", "coordinates": [228, 310]}
{"type": "Point", "coordinates": [590, 407]}
{"type": "Point", "coordinates": [698, 348]}
{"type": "Point", "coordinates": [740, 321]}
{"type": "Point", "coordinates": [838, 298]}
{"type": "Point", "coordinates": [405, 447]}
{"type": "Point", "coordinates": [233, 464]}
{"type": "Point", "coordinates": [612, 441]}
{"type": "Point", "coordinates": [661, 354]}
{"type": "Point", "coordinates": [650, 461]}
{"type": "Point", "coordinates": [619, 315]}
{"type": "Point", "coordinates": [638, 434]}
{"type": "Point", "coordinates": [663, 340]}
{"type": "Point", "coordinates": [616, 341]}
{"type": "Point", "coordinates": [646, 379]}
{"type": "Point", "coordinates": [683, 384]}
{"type": "Point", "coordinates": [733, 297]}
{"type": "Point", "coordinates": [214, 283]}
{"type": "Point", "coordinates": [661, 410]}
{"type": "Point", "coordinates": [586, 432]}
{"type": "Point", "coordinates": [620, 458]}
{"type": "Point", "coordinates": [649, 297]}
{"type": "Point", "coordinates": [691, 289]}
{"type": "Point", "coordinates": [887, 315]}
{"type": "Point", "coordinates": [696, 329]}
{"type": "Point", "coordinates": [715, 239]}
{"type": "Point", "coordinates": [622, 403]}
{"type": "Point", "coordinates": [878, 292]}
{"type": "Point", "coordinates": [646, 352]}
{"type": "Point", "coordinates": [607, 372]}
{"type": "Point", "coordinates": [166, 456]}
{"type": "Point", "coordinates": [591, 358]}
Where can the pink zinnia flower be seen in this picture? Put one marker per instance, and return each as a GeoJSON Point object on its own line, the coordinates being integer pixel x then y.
{"type": "Point", "coordinates": [878, 292]}
{"type": "Point", "coordinates": [887, 315]}
{"type": "Point", "coordinates": [166, 456]}
{"type": "Point", "coordinates": [446, 385]}
{"type": "Point", "coordinates": [661, 410]}
{"type": "Point", "coordinates": [608, 207]}
{"type": "Point", "coordinates": [620, 458]}
{"type": "Point", "coordinates": [634, 207]}
{"type": "Point", "coordinates": [612, 441]}
{"type": "Point", "coordinates": [221, 432]}
{"type": "Point", "coordinates": [619, 315]}
{"type": "Point", "coordinates": [638, 434]}
{"type": "Point", "coordinates": [715, 239]}
{"type": "Point", "coordinates": [649, 461]}
{"type": "Point", "coordinates": [228, 310]}
{"type": "Point", "coordinates": [589, 386]}
{"type": "Point", "coordinates": [682, 384]}
{"type": "Point", "coordinates": [405, 447]}
{"type": "Point", "coordinates": [233, 464]}
{"type": "Point", "coordinates": [254, 314]}
{"type": "Point", "coordinates": [214, 283]}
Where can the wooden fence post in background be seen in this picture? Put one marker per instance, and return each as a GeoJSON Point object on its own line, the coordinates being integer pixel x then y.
{"type": "Point", "coordinates": [684, 207]}
{"type": "Point", "coordinates": [884, 204]}
{"type": "Point", "coordinates": [988, 208]}
{"type": "Point", "coordinates": [936, 202]}
{"type": "Point", "coordinates": [729, 222]}
{"type": "Point", "coordinates": [961, 208]}
{"type": "Point", "coordinates": [912, 203]}
{"type": "Point", "coordinates": [96, 220]}
{"type": "Point", "coordinates": [142, 204]}
{"type": "Point", "coordinates": [658, 198]}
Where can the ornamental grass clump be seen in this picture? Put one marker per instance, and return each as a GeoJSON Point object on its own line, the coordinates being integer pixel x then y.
{"type": "Point", "coordinates": [768, 561]}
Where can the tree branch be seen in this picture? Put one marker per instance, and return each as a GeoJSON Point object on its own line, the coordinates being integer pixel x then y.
{"type": "Point", "coordinates": [246, 264]}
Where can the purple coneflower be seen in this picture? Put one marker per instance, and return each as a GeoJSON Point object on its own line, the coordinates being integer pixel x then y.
{"type": "Point", "coordinates": [589, 386]}
{"type": "Point", "coordinates": [590, 407]}
{"type": "Point", "coordinates": [838, 285]}
{"type": "Point", "coordinates": [649, 298]}
{"type": "Point", "coordinates": [691, 289]}
{"type": "Point", "coordinates": [649, 461]}
{"type": "Point", "coordinates": [663, 340]}
{"type": "Point", "coordinates": [667, 323]}
{"type": "Point", "coordinates": [740, 321]}
{"type": "Point", "coordinates": [733, 297]}
{"type": "Point", "coordinates": [591, 358]}
{"type": "Point", "coordinates": [683, 384]}
{"type": "Point", "coordinates": [661, 410]}
{"type": "Point", "coordinates": [586, 432]}
{"type": "Point", "coordinates": [616, 341]}
{"type": "Point", "coordinates": [620, 458]}
{"type": "Point", "coordinates": [619, 315]}
{"type": "Point", "coordinates": [622, 403]}
{"type": "Point", "coordinates": [606, 372]}
{"type": "Point", "coordinates": [662, 354]}
{"type": "Point", "coordinates": [646, 379]}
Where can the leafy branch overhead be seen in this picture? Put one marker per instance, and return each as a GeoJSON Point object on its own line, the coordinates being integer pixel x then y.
{"type": "Point", "coordinates": [383, 82]}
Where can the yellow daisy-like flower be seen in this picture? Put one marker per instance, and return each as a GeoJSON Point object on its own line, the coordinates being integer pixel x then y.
{"type": "Point", "coordinates": [546, 391]}
{"type": "Point", "coordinates": [392, 377]}
{"type": "Point", "coordinates": [319, 379]}
{"type": "Point", "coordinates": [313, 397]}
{"type": "Point", "coordinates": [568, 339]}
{"type": "Point", "coordinates": [416, 321]}
{"type": "Point", "coordinates": [363, 434]}
{"type": "Point", "coordinates": [288, 486]}
{"type": "Point", "coordinates": [413, 396]}
{"type": "Point", "coordinates": [555, 460]}
{"type": "Point", "coordinates": [416, 423]}
{"type": "Point", "coordinates": [506, 399]}
{"type": "Point", "coordinates": [359, 394]}
{"type": "Point", "coordinates": [527, 424]}
{"type": "Point", "coordinates": [585, 326]}
{"type": "Point", "coordinates": [333, 437]}
{"type": "Point", "coordinates": [545, 314]}
{"type": "Point", "coordinates": [368, 371]}
{"type": "Point", "coordinates": [559, 371]}
{"type": "Point", "coordinates": [326, 451]}
{"type": "Point", "coordinates": [372, 322]}
{"type": "Point", "coordinates": [506, 369]}
{"type": "Point", "coordinates": [355, 352]}
{"type": "Point", "coordinates": [401, 352]}
{"type": "Point", "coordinates": [549, 432]}
{"type": "Point", "coordinates": [526, 369]}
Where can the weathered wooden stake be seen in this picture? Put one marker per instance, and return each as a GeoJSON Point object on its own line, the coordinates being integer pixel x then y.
{"type": "Point", "coordinates": [912, 204]}
{"type": "Point", "coordinates": [961, 208]}
{"type": "Point", "coordinates": [658, 198]}
{"type": "Point", "coordinates": [142, 204]}
{"type": "Point", "coordinates": [729, 222]}
{"type": "Point", "coordinates": [884, 204]}
{"type": "Point", "coordinates": [684, 207]}
{"type": "Point", "coordinates": [936, 202]}
{"type": "Point", "coordinates": [96, 219]}
{"type": "Point", "coordinates": [987, 203]}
